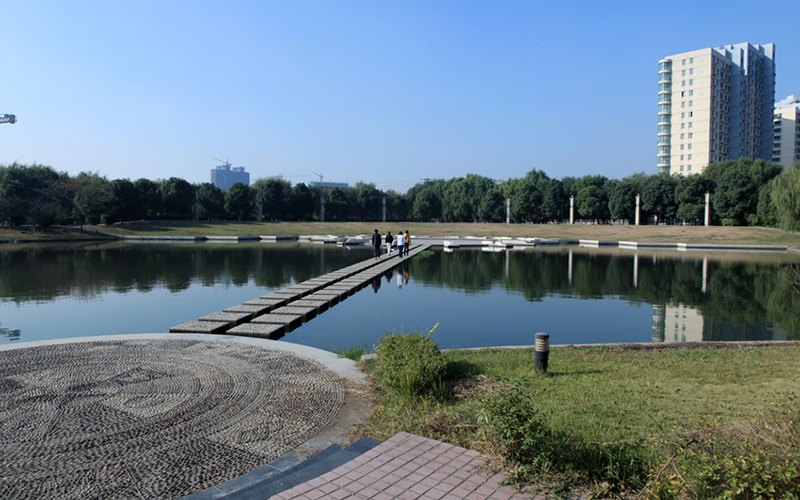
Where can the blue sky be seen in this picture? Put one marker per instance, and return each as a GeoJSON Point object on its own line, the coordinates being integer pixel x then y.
{"type": "Point", "coordinates": [387, 92]}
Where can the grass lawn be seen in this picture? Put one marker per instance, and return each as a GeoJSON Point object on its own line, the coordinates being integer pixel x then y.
{"type": "Point", "coordinates": [641, 403]}
{"type": "Point", "coordinates": [680, 234]}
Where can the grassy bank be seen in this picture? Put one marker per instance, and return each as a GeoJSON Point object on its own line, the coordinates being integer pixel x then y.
{"type": "Point", "coordinates": [689, 234]}
{"type": "Point", "coordinates": [33, 234]}
{"type": "Point", "coordinates": [615, 417]}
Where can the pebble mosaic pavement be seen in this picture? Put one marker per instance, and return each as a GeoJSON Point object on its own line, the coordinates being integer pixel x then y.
{"type": "Point", "coordinates": [152, 418]}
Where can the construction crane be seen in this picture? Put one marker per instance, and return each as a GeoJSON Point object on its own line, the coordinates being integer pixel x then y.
{"type": "Point", "coordinates": [8, 119]}
{"type": "Point", "coordinates": [226, 162]}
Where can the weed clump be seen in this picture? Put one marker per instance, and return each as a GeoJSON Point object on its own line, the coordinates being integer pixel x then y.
{"type": "Point", "coordinates": [410, 365]}
{"type": "Point", "coordinates": [736, 462]}
{"type": "Point", "coordinates": [353, 352]}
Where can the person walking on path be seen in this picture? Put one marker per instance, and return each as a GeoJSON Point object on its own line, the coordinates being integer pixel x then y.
{"type": "Point", "coordinates": [376, 243]}
{"type": "Point", "coordinates": [407, 238]}
{"type": "Point", "coordinates": [389, 240]}
{"type": "Point", "coordinates": [401, 243]}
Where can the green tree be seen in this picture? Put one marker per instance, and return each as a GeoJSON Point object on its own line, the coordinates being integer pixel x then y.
{"type": "Point", "coordinates": [240, 201]}
{"type": "Point", "coordinates": [658, 196]}
{"type": "Point", "coordinates": [302, 202]}
{"type": "Point", "coordinates": [87, 195]}
{"type": "Point", "coordinates": [555, 201]}
{"type": "Point", "coordinates": [592, 203]}
{"type": "Point", "coordinates": [786, 197]}
{"type": "Point", "coordinates": [492, 208]}
{"type": "Point", "coordinates": [150, 197]}
{"type": "Point", "coordinates": [735, 195]}
{"type": "Point", "coordinates": [426, 204]}
{"type": "Point", "coordinates": [337, 206]}
{"type": "Point", "coordinates": [690, 196]}
{"type": "Point", "coordinates": [275, 194]}
{"type": "Point", "coordinates": [368, 201]}
{"type": "Point", "coordinates": [125, 202]}
{"type": "Point", "coordinates": [26, 195]}
{"type": "Point", "coordinates": [177, 198]}
{"type": "Point", "coordinates": [212, 201]}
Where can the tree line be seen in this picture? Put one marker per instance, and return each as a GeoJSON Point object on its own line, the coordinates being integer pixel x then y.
{"type": "Point", "coordinates": [743, 192]}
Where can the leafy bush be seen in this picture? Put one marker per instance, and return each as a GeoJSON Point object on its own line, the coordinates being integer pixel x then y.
{"type": "Point", "coordinates": [519, 431]}
{"type": "Point", "coordinates": [410, 364]}
{"type": "Point", "coordinates": [539, 455]}
{"type": "Point", "coordinates": [730, 222]}
{"type": "Point", "coordinates": [760, 461]}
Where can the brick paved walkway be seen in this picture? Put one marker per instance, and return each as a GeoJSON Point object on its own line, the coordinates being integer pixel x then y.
{"type": "Point", "coordinates": [408, 467]}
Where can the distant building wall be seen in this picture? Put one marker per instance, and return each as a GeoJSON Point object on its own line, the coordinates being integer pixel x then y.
{"type": "Point", "coordinates": [786, 131]}
{"type": "Point", "coordinates": [340, 185]}
{"type": "Point", "coordinates": [224, 176]}
{"type": "Point", "coordinates": [715, 104]}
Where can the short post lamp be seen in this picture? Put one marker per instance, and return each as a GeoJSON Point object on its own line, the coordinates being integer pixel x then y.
{"type": "Point", "coordinates": [542, 352]}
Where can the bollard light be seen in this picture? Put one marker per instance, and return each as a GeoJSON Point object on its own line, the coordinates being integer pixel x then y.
{"type": "Point", "coordinates": [542, 352]}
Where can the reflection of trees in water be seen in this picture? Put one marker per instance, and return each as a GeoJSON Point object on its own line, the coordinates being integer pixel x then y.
{"type": "Point", "coordinates": [44, 273]}
{"type": "Point", "coordinates": [737, 293]}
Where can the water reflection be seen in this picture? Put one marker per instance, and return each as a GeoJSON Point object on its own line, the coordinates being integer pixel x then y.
{"type": "Point", "coordinates": [717, 296]}
{"type": "Point", "coordinates": [480, 298]}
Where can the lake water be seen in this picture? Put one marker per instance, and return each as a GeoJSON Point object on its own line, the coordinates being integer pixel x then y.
{"type": "Point", "coordinates": [478, 298]}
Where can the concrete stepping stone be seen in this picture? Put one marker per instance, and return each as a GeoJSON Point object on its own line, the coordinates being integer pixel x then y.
{"type": "Point", "coordinates": [260, 330]}
{"type": "Point", "coordinates": [288, 320]}
{"type": "Point", "coordinates": [306, 312]}
{"type": "Point", "coordinates": [253, 310]}
{"type": "Point", "coordinates": [332, 297]}
{"type": "Point", "coordinates": [320, 305]}
{"type": "Point", "coordinates": [271, 303]}
{"type": "Point", "coordinates": [231, 318]}
{"type": "Point", "coordinates": [201, 327]}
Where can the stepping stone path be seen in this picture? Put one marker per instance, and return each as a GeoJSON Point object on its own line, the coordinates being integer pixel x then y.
{"type": "Point", "coordinates": [290, 306]}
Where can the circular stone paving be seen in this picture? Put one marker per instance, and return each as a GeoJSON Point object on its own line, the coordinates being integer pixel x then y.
{"type": "Point", "coordinates": [152, 418]}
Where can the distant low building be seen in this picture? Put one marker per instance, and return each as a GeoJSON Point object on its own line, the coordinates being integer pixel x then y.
{"type": "Point", "coordinates": [330, 185]}
{"type": "Point", "coordinates": [223, 176]}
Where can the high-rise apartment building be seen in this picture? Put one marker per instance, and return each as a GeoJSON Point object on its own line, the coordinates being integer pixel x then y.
{"type": "Point", "coordinates": [786, 138]}
{"type": "Point", "coordinates": [224, 176]}
{"type": "Point", "coordinates": [715, 104]}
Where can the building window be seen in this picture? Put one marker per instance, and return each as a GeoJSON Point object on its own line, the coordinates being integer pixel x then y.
{"type": "Point", "coordinates": [690, 135]}
{"type": "Point", "coordinates": [683, 83]}
{"type": "Point", "coordinates": [682, 136]}
{"type": "Point", "coordinates": [681, 157]}
{"type": "Point", "coordinates": [689, 157]}
{"type": "Point", "coordinates": [682, 147]}
{"type": "Point", "coordinates": [689, 167]}
{"type": "Point", "coordinates": [691, 81]}
{"type": "Point", "coordinates": [683, 62]}
{"type": "Point", "coordinates": [691, 60]}
{"type": "Point", "coordinates": [690, 145]}
{"type": "Point", "coordinates": [681, 168]}
{"type": "Point", "coordinates": [683, 125]}
{"type": "Point", "coordinates": [683, 73]}
{"type": "Point", "coordinates": [691, 92]}
{"type": "Point", "coordinates": [691, 71]}
{"type": "Point", "coordinates": [690, 103]}
{"type": "Point", "coordinates": [690, 124]}
{"type": "Point", "coordinates": [691, 113]}
{"type": "Point", "coordinates": [683, 104]}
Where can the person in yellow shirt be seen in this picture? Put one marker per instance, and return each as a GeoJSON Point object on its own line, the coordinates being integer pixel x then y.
{"type": "Point", "coordinates": [407, 238]}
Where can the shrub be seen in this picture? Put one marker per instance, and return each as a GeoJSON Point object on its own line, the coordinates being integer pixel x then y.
{"type": "Point", "coordinates": [410, 364]}
{"type": "Point", "coordinates": [518, 430]}
{"type": "Point", "coordinates": [730, 461]}
{"type": "Point", "coordinates": [760, 461]}
{"type": "Point", "coordinates": [730, 222]}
